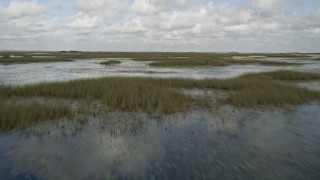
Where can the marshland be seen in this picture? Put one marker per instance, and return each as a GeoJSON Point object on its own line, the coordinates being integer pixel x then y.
{"type": "Point", "coordinates": [152, 115]}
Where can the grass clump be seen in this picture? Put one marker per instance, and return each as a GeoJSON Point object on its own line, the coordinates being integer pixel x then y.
{"type": "Point", "coordinates": [110, 62]}
{"type": "Point", "coordinates": [14, 114]}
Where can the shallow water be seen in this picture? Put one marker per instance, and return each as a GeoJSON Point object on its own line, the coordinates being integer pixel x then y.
{"type": "Point", "coordinates": [19, 74]}
{"type": "Point", "coordinates": [312, 85]}
{"type": "Point", "coordinates": [225, 143]}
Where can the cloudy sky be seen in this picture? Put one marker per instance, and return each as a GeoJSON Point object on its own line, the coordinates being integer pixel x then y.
{"type": "Point", "coordinates": [161, 25]}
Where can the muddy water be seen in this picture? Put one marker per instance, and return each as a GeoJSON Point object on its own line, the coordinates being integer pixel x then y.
{"type": "Point", "coordinates": [223, 143]}
{"type": "Point", "coordinates": [19, 74]}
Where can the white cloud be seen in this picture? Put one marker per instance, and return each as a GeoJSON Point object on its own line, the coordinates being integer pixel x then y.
{"type": "Point", "coordinates": [82, 21]}
{"type": "Point", "coordinates": [18, 9]}
{"type": "Point", "coordinates": [193, 25]}
{"type": "Point", "coordinates": [266, 5]}
{"type": "Point", "coordinates": [25, 21]}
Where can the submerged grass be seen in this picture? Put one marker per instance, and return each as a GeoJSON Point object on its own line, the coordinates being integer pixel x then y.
{"type": "Point", "coordinates": [15, 114]}
{"type": "Point", "coordinates": [110, 62]}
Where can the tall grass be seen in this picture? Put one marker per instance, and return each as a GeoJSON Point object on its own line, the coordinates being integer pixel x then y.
{"type": "Point", "coordinates": [131, 94]}
{"type": "Point", "coordinates": [271, 93]}
{"type": "Point", "coordinates": [156, 96]}
{"type": "Point", "coordinates": [14, 114]}
{"type": "Point", "coordinates": [163, 95]}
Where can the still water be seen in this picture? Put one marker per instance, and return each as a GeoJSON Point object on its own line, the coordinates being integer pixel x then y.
{"type": "Point", "coordinates": [20, 74]}
{"type": "Point", "coordinates": [221, 143]}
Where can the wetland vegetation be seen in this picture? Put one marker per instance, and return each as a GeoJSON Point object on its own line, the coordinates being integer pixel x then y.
{"type": "Point", "coordinates": [137, 121]}
{"type": "Point", "coordinates": [21, 114]}
{"type": "Point", "coordinates": [162, 96]}
{"type": "Point", "coordinates": [174, 58]}
{"type": "Point", "coordinates": [216, 62]}
{"type": "Point", "coordinates": [23, 60]}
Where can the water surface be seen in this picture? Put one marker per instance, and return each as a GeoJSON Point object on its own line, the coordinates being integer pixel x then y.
{"type": "Point", "coordinates": [19, 74]}
{"type": "Point", "coordinates": [223, 143]}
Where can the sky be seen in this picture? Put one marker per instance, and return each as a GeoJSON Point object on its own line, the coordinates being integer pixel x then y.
{"type": "Point", "coordinates": [161, 25]}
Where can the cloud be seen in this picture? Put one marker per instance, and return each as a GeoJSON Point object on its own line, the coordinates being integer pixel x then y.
{"type": "Point", "coordinates": [25, 21]}
{"type": "Point", "coordinates": [189, 24]}
{"type": "Point", "coordinates": [82, 21]}
{"type": "Point", "coordinates": [18, 9]}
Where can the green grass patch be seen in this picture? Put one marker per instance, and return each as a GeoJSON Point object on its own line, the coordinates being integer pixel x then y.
{"type": "Point", "coordinates": [16, 114]}
{"type": "Point", "coordinates": [110, 62]}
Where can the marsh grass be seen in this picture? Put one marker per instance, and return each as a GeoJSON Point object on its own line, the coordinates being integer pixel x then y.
{"type": "Point", "coordinates": [153, 95]}
{"type": "Point", "coordinates": [130, 94]}
{"type": "Point", "coordinates": [216, 62]}
{"type": "Point", "coordinates": [278, 55]}
{"type": "Point", "coordinates": [23, 60]}
{"type": "Point", "coordinates": [284, 75]}
{"type": "Point", "coordinates": [271, 93]}
{"type": "Point", "coordinates": [152, 56]}
{"type": "Point", "coordinates": [190, 63]}
{"type": "Point", "coordinates": [15, 114]}
{"type": "Point", "coordinates": [163, 95]}
{"type": "Point", "coordinates": [110, 62]}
